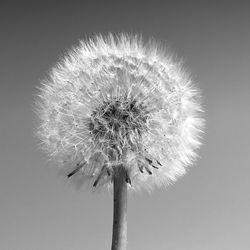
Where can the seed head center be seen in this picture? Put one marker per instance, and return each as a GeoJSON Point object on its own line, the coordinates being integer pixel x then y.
{"type": "Point", "coordinates": [118, 122]}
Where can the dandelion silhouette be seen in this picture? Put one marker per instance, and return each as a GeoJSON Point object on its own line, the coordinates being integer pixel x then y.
{"type": "Point", "coordinates": [119, 113]}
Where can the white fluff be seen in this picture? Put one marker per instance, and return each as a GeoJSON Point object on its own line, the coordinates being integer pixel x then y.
{"type": "Point", "coordinates": [120, 68]}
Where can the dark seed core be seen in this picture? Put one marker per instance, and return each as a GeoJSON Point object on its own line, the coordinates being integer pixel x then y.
{"type": "Point", "coordinates": [118, 121]}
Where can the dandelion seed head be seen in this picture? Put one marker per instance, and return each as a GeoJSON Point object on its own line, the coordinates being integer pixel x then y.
{"type": "Point", "coordinates": [115, 100]}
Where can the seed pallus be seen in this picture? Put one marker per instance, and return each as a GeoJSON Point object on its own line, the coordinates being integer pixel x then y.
{"type": "Point", "coordinates": [149, 172]}
{"type": "Point", "coordinates": [75, 170]}
{"type": "Point", "coordinates": [100, 175]}
{"type": "Point", "coordinates": [127, 178]}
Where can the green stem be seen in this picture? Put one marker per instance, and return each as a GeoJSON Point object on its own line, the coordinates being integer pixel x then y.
{"type": "Point", "coordinates": [119, 239]}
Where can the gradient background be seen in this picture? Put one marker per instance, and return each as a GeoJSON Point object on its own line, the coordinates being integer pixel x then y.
{"type": "Point", "coordinates": [207, 209]}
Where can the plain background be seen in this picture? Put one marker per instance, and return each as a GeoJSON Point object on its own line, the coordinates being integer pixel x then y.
{"type": "Point", "coordinates": [209, 208]}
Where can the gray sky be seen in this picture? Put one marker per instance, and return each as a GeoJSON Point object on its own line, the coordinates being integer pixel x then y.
{"type": "Point", "coordinates": [206, 209]}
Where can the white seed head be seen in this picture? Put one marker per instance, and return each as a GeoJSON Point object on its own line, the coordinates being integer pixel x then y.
{"type": "Point", "coordinates": [114, 100]}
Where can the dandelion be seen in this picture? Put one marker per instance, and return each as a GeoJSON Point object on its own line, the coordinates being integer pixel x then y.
{"type": "Point", "coordinates": [120, 114]}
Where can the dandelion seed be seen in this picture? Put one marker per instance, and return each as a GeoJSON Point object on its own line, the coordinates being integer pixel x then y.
{"type": "Point", "coordinates": [120, 107]}
{"type": "Point", "coordinates": [74, 171]}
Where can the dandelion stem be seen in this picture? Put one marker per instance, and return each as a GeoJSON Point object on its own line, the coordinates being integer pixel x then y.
{"type": "Point", "coordinates": [119, 238]}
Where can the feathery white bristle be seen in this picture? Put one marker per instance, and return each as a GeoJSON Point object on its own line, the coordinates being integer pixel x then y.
{"type": "Point", "coordinates": [110, 72]}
